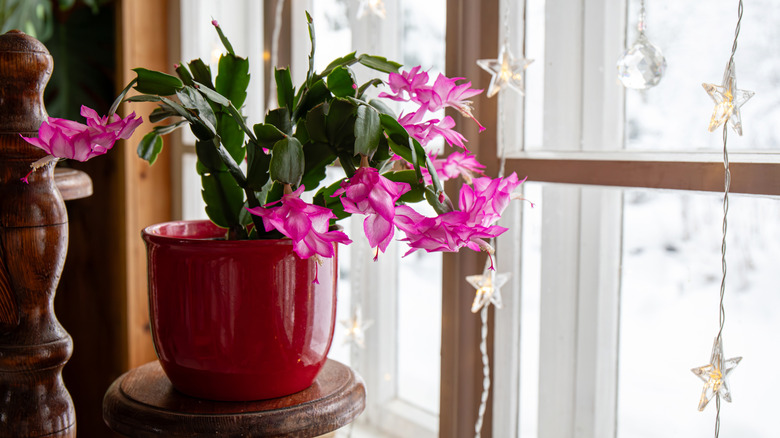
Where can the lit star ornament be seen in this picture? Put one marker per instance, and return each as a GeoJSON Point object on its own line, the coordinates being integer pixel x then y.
{"type": "Point", "coordinates": [506, 70]}
{"type": "Point", "coordinates": [356, 329]}
{"type": "Point", "coordinates": [715, 375]}
{"type": "Point", "coordinates": [488, 287]}
{"type": "Point", "coordinates": [728, 100]}
{"type": "Point", "coordinates": [373, 7]}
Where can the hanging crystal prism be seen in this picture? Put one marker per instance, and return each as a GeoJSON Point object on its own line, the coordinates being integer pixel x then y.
{"type": "Point", "coordinates": [641, 66]}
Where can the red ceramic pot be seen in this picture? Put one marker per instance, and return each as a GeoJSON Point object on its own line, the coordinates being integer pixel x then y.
{"type": "Point", "coordinates": [237, 320]}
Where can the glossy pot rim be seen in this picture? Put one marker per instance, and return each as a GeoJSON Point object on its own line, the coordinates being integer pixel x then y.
{"type": "Point", "coordinates": [201, 232]}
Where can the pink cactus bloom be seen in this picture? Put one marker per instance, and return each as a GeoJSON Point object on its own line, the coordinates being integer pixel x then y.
{"type": "Point", "coordinates": [487, 199]}
{"type": "Point", "coordinates": [444, 129]}
{"type": "Point", "coordinates": [373, 195]}
{"type": "Point", "coordinates": [63, 138]}
{"type": "Point", "coordinates": [447, 232]}
{"type": "Point", "coordinates": [306, 224]}
{"type": "Point", "coordinates": [406, 85]}
{"type": "Point", "coordinates": [447, 93]}
{"type": "Point", "coordinates": [121, 128]}
{"type": "Point", "coordinates": [481, 205]}
{"type": "Point", "coordinates": [454, 165]}
{"type": "Point", "coordinates": [425, 131]}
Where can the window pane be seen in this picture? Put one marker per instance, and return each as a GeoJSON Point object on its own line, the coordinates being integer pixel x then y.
{"type": "Point", "coordinates": [534, 75]}
{"type": "Point", "coordinates": [669, 312]}
{"type": "Point", "coordinates": [192, 206]}
{"type": "Point", "coordinates": [530, 303]}
{"type": "Point", "coordinates": [419, 330]}
{"type": "Point", "coordinates": [419, 286]}
{"type": "Point", "coordinates": [696, 39]}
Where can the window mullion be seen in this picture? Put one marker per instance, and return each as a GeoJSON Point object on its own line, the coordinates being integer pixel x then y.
{"type": "Point", "coordinates": [563, 74]}
{"type": "Point", "coordinates": [559, 294]}
{"type": "Point", "coordinates": [598, 312]}
{"type": "Point", "coordinates": [602, 95]}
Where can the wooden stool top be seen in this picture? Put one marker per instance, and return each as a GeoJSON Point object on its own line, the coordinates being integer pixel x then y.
{"type": "Point", "coordinates": [72, 183]}
{"type": "Point", "coordinates": [142, 403]}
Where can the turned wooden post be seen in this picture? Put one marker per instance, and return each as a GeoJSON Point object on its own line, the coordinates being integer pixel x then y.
{"type": "Point", "coordinates": [33, 241]}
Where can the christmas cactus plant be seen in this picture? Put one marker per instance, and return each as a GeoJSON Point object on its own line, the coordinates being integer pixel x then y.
{"type": "Point", "coordinates": [330, 118]}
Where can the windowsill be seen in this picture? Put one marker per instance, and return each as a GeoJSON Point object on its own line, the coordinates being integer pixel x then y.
{"type": "Point", "coordinates": [708, 156]}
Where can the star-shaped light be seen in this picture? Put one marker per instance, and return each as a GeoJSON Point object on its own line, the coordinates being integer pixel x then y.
{"type": "Point", "coordinates": [356, 329]}
{"type": "Point", "coordinates": [488, 287]}
{"type": "Point", "coordinates": [506, 70]}
{"type": "Point", "coordinates": [715, 375]}
{"type": "Point", "coordinates": [373, 7]}
{"type": "Point", "coordinates": [728, 100]}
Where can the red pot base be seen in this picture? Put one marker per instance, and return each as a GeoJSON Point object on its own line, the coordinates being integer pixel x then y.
{"type": "Point", "coordinates": [237, 320]}
{"type": "Point", "coordinates": [243, 387]}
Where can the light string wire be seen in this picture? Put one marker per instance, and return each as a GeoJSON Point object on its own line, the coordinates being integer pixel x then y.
{"type": "Point", "coordinates": [483, 314]}
{"type": "Point", "coordinates": [640, 25]}
{"type": "Point", "coordinates": [727, 186]}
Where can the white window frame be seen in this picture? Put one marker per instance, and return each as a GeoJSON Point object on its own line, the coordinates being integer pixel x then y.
{"type": "Point", "coordinates": [582, 135]}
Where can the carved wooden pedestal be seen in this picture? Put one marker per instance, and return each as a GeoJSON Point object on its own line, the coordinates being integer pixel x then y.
{"type": "Point", "coordinates": [142, 403]}
{"type": "Point", "coordinates": [33, 242]}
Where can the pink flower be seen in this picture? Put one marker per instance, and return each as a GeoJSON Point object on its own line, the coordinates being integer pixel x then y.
{"type": "Point", "coordinates": [447, 232]}
{"type": "Point", "coordinates": [487, 199]}
{"type": "Point", "coordinates": [454, 165]}
{"type": "Point", "coordinates": [425, 131]}
{"type": "Point", "coordinates": [306, 224]}
{"type": "Point", "coordinates": [480, 207]}
{"type": "Point", "coordinates": [406, 85]}
{"type": "Point", "coordinates": [373, 195]}
{"type": "Point", "coordinates": [121, 128]}
{"type": "Point", "coordinates": [63, 138]}
{"type": "Point", "coordinates": [444, 129]}
{"type": "Point", "coordinates": [447, 93]}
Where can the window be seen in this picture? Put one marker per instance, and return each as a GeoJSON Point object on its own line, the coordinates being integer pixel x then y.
{"type": "Point", "coordinates": [400, 297]}
{"type": "Point", "coordinates": [619, 276]}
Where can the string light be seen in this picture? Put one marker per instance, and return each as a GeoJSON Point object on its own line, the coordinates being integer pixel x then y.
{"type": "Point", "coordinates": [728, 99]}
{"type": "Point", "coordinates": [372, 7]}
{"type": "Point", "coordinates": [506, 70]}
{"type": "Point", "coordinates": [715, 375]}
{"type": "Point", "coordinates": [488, 287]}
{"type": "Point", "coordinates": [356, 328]}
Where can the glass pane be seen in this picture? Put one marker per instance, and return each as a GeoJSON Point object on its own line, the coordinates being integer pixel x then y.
{"type": "Point", "coordinates": [419, 281]}
{"type": "Point", "coordinates": [669, 313]}
{"type": "Point", "coordinates": [419, 328]}
{"type": "Point", "coordinates": [530, 303]}
{"type": "Point", "coordinates": [696, 39]}
{"type": "Point", "coordinates": [192, 205]}
{"type": "Point", "coordinates": [331, 18]}
{"type": "Point", "coordinates": [534, 75]}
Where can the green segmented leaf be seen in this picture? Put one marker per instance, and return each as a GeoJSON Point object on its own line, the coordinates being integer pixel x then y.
{"type": "Point", "coordinates": [155, 82]}
{"type": "Point", "coordinates": [233, 79]}
{"type": "Point", "coordinates": [367, 131]}
{"type": "Point", "coordinates": [341, 82]}
{"type": "Point", "coordinates": [287, 161]}
{"type": "Point", "coordinates": [379, 63]}
{"type": "Point", "coordinates": [150, 146]}
{"type": "Point", "coordinates": [224, 199]}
